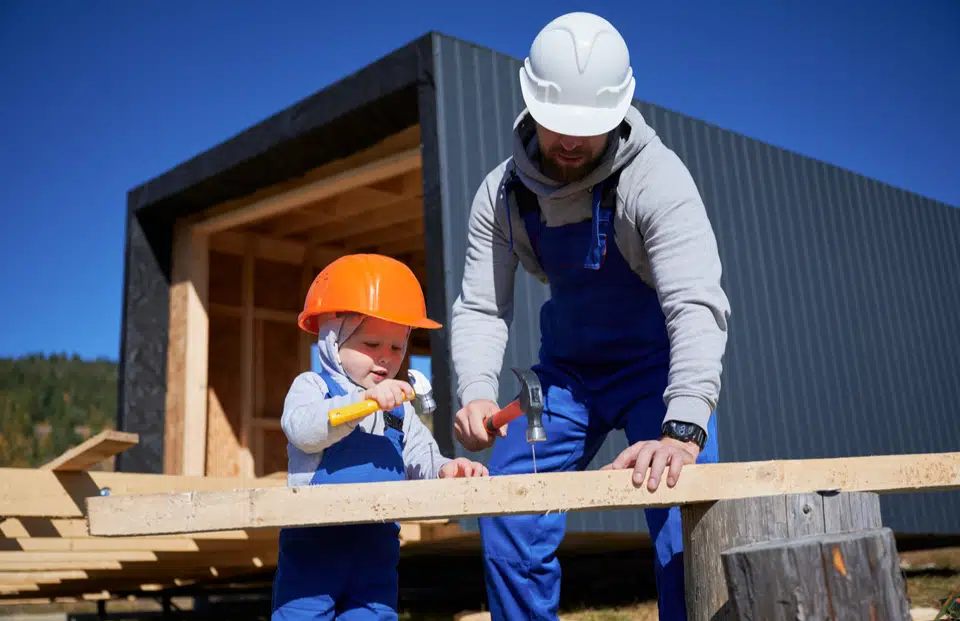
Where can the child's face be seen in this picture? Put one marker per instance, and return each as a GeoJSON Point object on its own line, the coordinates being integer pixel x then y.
{"type": "Point", "coordinates": [374, 352]}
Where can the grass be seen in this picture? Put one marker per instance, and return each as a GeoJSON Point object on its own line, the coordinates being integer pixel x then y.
{"type": "Point", "coordinates": [931, 575]}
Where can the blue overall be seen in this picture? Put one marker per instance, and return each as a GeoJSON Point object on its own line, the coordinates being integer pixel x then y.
{"type": "Point", "coordinates": [604, 364]}
{"type": "Point", "coordinates": [344, 572]}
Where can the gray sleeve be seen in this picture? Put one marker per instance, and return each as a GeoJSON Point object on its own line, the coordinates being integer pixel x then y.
{"type": "Point", "coordinates": [482, 313]}
{"type": "Point", "coordinates": [305, 421]}
{"type": "Point", "coordinates": [685, 266]}
{"type": "Point", "coordinates": [421, 455]}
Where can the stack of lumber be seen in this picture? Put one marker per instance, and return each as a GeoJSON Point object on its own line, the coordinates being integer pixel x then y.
{"type": "Point", "coordinates": [70, 532]}
{"type": "Point", "coordinates": [48, 554]}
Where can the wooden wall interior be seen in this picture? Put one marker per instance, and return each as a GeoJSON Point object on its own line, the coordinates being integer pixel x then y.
{"type": "Point", "coordinates": [240, 274]}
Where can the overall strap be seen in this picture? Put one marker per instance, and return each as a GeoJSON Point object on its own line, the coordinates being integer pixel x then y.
{"type": "Point", "coordinates": [604, 206]}
{"type": "Point", "coordinates": [513, 187]}
{"type": "Point", "coordinates": [335, 389]}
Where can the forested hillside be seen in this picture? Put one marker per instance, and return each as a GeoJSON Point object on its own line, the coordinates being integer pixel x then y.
{"type": "Point", "coordinates": [50, 403]}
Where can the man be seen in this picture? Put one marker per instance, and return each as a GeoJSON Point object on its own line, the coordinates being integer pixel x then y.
{"type": "Point", "coordinates": [633, 335]}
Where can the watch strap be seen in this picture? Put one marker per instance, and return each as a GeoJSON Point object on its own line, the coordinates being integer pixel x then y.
{"type": "Point", "coordinates": [685, 432]}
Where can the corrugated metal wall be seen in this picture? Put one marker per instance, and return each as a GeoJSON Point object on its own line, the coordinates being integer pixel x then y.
{"type": "Point", "coordinates": [844, 291]}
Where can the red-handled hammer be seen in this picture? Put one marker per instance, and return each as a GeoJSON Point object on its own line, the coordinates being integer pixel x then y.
{"type": "Point", "coordinates": [530, 402]}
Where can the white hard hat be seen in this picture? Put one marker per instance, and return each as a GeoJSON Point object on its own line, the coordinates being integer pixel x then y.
{"type": "Point", "coordinates": [577, 79]}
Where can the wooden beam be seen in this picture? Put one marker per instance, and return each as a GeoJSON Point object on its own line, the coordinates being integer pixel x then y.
{"type": "Point", "coordinates": [509, 494]}
{"type": "Point", "coordinates": [41, 577]}
{"type": "Point", "coordinates": [267, 424]}
{"type": "Point", "coordinates": [7, 589]}
{"type": "Point", "coordinates": [307, 275]}
{"type": "Point", "coordinates": [247, 367]}
{"type": "Point", "coordinates": [119, 556]}
{"type": "Point", "coordinates": [106, 544]}
{"type": "Point", "coordinates": [185, 430]}
{"type": "Point", "coordinates": [76, 528]}
{"type": "Point", "coordinates": [271, 249]}
{"type": "Point", "coordinates": [269, 207]}
{"type": "Point", "coordinates": [102, 446]}
{"type": "Point", "coordinates": [358, 229]}
{"type": "Point", "coordinates": [259, 313]}
{"type": "Point", "coordinates": [29, 492]}
{"type": "Point", "coordinates": [356, 203]}
{"type": "Point", "coordinates": [373, 240]}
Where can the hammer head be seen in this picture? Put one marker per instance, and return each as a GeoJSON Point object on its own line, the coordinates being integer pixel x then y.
{"type": "Point", "coordinates": [423, 403]}
{"type": "Point", "coordinates": [531, 404]}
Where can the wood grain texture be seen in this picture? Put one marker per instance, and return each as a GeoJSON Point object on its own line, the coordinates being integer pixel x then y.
{"type": "Point", "coordinates": [285, 202]}
{"type": "Point", "coordinates": [851, 576]}
{"type": "Point", "coordinates": [709, 529]}
{"type": "Point", "coordinates": [28, 492]}
{"type": "Point", "coordinates": [509, 495]}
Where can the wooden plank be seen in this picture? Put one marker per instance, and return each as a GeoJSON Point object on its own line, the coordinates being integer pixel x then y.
{"type": "Point", "coordinates": [104, 544]}
{"type": "Point", "coordinates": [359, 228]}
{"type": "Point", "coordinates": [120, 556]}
{"type": "Point", "coordinates": [28, 492]}
{"type": "Point", "coordinates": [307, 275]}
{"type": "Point", "coordinates": [104, 445]}
{"type": "Point", "coordinates": [247, 365]}
{"type": "Point", "coordinates": [362, 202]}
{"type": "Point", "coordinates": [711, 528]}
{"type": "Point", "coordinates": [7, 589]}
{"type": "Point", "coordinates": [41, 577]}
{"type": "Point", "coordinates": [267, 424]}
{"type": "Point", "coordinates": [510, 495]}
{"type": "Point", "coordinates": [272, 249]}
{"type": "Point", "coordinates": [269, 207]}
{"type": "Point", "coordinates": [851, 576]}
{"type": "Point", "coordinates": [76, 528]}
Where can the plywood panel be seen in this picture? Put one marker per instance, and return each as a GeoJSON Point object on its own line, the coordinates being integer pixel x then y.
{"type": "Point", "coordinates": [224, 405]}
{"type": "Point", "coordinates": [277, 286]}
{"type": "Point", "coordinates": [274, 452]}
{"type": "Point", "coordinates": [225, 276]}
{"type": "Point", "coordinates": [279, 349]}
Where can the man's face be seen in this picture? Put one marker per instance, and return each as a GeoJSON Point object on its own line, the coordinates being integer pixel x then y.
{"type": "Point", "coordinates": [569, 158]}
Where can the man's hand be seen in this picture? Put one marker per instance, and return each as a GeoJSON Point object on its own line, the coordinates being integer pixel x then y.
{"type": "Point", "coordinates": [469, 428]}
{"type": "Point", "coordinates": [656, 455]}
{"type": "Point", "coordinates": [462, 467]}
{"type": "Point", "coordinates": [389, 393]}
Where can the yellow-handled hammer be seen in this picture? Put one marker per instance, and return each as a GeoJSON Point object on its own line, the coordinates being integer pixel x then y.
{"type": "Point", "coordinates": [422, 401]}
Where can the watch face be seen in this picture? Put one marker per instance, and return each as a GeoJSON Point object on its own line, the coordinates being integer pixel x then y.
{"type": "Point", "coordinates": [684, 429]}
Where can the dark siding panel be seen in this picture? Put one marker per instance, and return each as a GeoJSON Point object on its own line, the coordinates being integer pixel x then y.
{"type": "Point", "coordinates": [843, 290]}
{"type": "Point", "coordinates": [143, 356]}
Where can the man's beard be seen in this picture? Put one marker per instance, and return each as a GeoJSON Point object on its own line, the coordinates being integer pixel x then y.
{"type": "Point", "coordinates": [557, 169]}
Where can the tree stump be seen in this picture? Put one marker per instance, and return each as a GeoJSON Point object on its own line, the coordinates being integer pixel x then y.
{"type": "Point", "coordinates": [841, 577]}
{"type": "Point", "coordinates": [710, 529]}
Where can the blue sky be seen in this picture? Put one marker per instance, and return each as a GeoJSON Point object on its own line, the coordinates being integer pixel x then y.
{"type": "Point", "coordinates": [99, 96]}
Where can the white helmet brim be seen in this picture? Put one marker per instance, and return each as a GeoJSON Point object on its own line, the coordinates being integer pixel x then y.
{"type": "Point", "coordinates": [574, 120]}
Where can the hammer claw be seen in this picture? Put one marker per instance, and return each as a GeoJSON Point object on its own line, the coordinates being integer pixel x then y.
{"type": "Point", "coordinates": [530, 402]}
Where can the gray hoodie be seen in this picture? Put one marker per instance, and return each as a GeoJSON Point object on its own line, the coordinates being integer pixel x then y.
{"type": "Point", "coordinates": [307, 425]}
{"type": "Point", "coordinates": [660, 226]}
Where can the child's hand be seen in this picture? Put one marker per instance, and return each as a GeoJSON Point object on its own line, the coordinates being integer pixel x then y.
{"type": "Point", "coordinates": [389, 393]}
{"type": "Point", "coordinates": [462, 467]}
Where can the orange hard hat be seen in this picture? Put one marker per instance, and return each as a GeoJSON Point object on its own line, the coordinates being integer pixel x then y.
{"type": "Point", "coordinates": [370, 284]}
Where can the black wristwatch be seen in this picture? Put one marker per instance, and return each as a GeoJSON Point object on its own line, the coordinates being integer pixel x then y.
{"type": "Point", "coordinates": [685, 432]}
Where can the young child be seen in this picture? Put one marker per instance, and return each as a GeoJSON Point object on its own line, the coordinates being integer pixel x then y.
{"type": "Point", "coordinates": [362, 309]}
